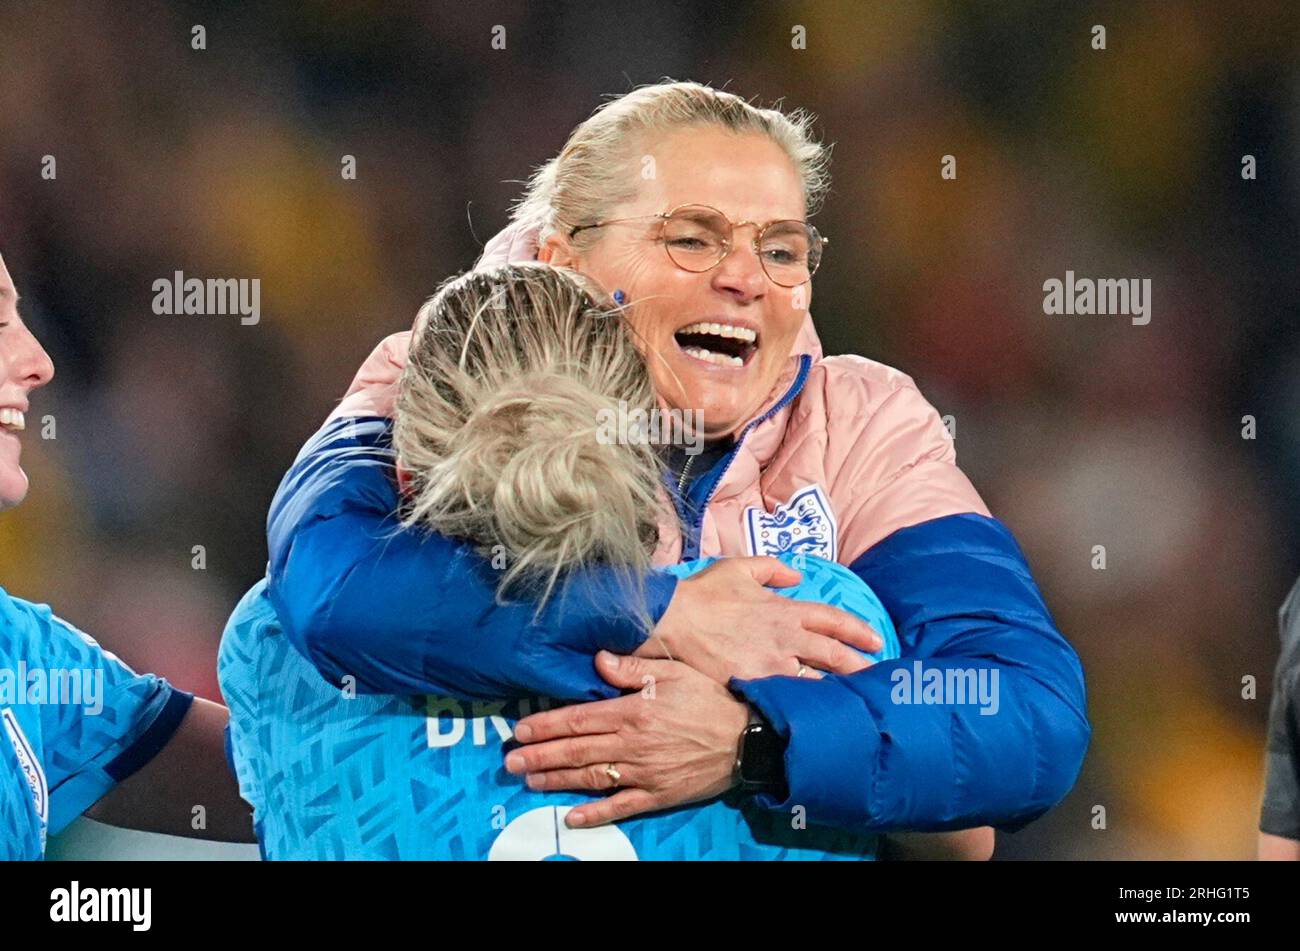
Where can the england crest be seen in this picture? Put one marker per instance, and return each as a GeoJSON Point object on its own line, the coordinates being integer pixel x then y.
{"type": "Point", "coordinates": [805, 524]}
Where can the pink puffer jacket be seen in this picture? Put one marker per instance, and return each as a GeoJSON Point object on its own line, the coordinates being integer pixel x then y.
{"type": "Point", "coordinates": [844, 451]}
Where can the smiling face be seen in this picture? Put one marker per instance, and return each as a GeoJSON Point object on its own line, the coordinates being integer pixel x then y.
{"type": "Point", "coordinates": [24, 366]}
{"type": "Point", "coordinates": [747, 177]}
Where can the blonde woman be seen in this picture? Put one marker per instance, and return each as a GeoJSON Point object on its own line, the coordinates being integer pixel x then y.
{"type": "Point", "coordinates": [500, 442]}
{"type": "Point", "coordinates": [81, 733]}
{"type": "Point", "coordinates": [716, 253]}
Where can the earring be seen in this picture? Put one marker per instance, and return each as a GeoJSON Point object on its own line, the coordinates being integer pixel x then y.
{"type": "Point", "coordinates": [620, 298]}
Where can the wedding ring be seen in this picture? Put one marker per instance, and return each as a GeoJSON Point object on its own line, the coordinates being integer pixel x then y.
{"type": "Point", "coordinates": [613, 773]}
{"type": "Point", "coordinates": [803, 669]}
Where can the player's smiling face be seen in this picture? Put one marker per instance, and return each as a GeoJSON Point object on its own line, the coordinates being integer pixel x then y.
{"type": "Point", "coordinates": [24, 365]}
{"type": "Point", "coordinates": [717, 340]}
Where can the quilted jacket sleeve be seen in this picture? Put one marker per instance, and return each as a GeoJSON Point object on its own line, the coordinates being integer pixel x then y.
{"type": "Point", "coordinates": [983, 719]}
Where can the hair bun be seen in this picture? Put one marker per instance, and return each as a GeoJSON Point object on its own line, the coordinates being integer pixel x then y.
{"type": "Point", "coordinates": [499, 424]}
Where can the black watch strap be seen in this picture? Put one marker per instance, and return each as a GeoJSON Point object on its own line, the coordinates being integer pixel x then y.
{"type": "Point", "coordinates": [760, 762]}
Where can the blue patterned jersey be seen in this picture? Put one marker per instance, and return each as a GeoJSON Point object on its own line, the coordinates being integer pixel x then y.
{"type": "Point", "coordinates": [74, 721]}
{"type": "Point", "coordinates": [334, 775]}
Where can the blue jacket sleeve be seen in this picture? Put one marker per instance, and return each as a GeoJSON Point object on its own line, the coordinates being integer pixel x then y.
{"type": "Point", "coordinates": [923, 743]}
{"type": "Point", "coordinates": [403, 611]}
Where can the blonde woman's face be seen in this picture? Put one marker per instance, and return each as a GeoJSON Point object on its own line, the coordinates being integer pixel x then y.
{"type": "Point", "coordinates": [748, 178]}
{"type": "Point", "coordinates": [24, 366]}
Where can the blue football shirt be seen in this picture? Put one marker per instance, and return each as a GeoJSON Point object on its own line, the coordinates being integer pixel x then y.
{"type": "Point", "coordinates": [334, 775]}
{"type": "Point", "coordinates": [74, 721]}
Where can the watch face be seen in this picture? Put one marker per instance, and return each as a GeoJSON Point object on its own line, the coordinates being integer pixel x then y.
{"type": "Point", "coordinates": [762, 758]}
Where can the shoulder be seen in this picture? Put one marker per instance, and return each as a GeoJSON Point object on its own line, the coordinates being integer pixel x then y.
{"type": "Point", "coordinates": [253, 615]}
{"type": "Point", "coordinates": [848, 381]}
{"type": "Point", "coordinates": [348, 462]}
{"type": "Point", "coordinates": [16, 625]}
{"type": "Point", "coordinates": [846, 394]}
{"type": "Point", "coordinates": [25, 624]}
{"type": "Point", "coordinates": [849, 369]}
{"type": "Point", "coordinates": [374, 388]}
{"type": "Point", "coordinates": [34, 633]}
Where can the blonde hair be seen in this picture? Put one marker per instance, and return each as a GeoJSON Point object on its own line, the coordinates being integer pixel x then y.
{"type": "Point", "coordinates": [595, 171]}
{"type": "Point", "coordinates": [499, 426]}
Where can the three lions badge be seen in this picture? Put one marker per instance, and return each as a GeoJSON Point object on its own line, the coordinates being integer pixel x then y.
{"type": "Point", "coordinates": [803, 525]}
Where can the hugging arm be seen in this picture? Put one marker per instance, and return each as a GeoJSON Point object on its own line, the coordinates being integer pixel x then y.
{"type": "Point", "coordinates": [873, 751]}
{"type": "Point", "coordinates": [404, 611]}
{"type": "Point", "coordinates": [861, 753]}
{"type": "Point", "coordinates": [868, 751]}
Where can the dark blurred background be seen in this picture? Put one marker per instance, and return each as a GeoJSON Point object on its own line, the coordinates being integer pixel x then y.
{"type": "Point", "coordinates": [172, 432]}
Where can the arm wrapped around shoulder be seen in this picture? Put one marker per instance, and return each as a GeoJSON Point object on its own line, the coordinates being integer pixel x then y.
{"type": "Point", "coordinates": [515, 483]}
{"type": "Point", "coordinates": [983, 719]}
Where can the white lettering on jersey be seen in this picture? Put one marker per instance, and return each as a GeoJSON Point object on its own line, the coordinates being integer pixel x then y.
{"type": "Point", "coordinates": [484, 713]}
{"type": "Point", "coordinates": [445, 720]}
{"type": "Point", "coordinates": [434, 707]}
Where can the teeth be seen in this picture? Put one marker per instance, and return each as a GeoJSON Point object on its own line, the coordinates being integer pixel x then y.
{"type": "Point", "coordinates": [721, 359]}
{"type": "Point", "coordinates": [720, 330]}
{"type": "Point", "coordinates": [13, 419]}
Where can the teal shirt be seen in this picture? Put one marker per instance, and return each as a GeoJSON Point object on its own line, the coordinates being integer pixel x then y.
{"type": "Point", "coordinates": [74, 721]}
{"type": "Point", "coordinates": [333, 776]}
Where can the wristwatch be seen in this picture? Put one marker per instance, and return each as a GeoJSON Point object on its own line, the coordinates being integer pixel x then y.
{"type": "Point", "coordinates": [760, 760]}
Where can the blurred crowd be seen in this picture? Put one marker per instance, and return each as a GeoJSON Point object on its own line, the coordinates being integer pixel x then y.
{"type": "Point", "coordinates": [170, 433]}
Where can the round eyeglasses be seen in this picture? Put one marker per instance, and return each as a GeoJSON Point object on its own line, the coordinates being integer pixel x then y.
{"type": "Point", "coordinates": [698, 237]}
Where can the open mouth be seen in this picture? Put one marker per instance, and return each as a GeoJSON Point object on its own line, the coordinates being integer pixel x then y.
{"type": "Point", "coordinates": [12, 420]}
{"type": "Point", "coordinates": [725, 345]}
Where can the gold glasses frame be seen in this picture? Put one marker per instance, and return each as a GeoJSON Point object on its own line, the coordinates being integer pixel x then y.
{"type": "Point", "coordinates": [816, 239]}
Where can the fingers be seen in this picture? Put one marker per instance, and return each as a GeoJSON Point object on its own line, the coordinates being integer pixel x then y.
{"type": "Point", "coordinates": [826, 653]}
{"type": "Point", "coordinates": [631, 672]}
{"type": "Point", "coordinates": [621, 805]}
{"type": "Point", "coordinates": [596, 716]}
{"type": "Point", "coordinates": [769, 571]}
{"type": "Point", "coordinates": [803, 667]}
{"type": "Point", "coordinates": [594, 777]}
{"type": "Point", "coordinates": [833, 622]}
{"type": "Point", "coordinates": [562, 754]}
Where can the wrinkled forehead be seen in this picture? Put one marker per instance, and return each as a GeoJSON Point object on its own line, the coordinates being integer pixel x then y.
{"type": "Point", "coordinates": [745, 175]}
